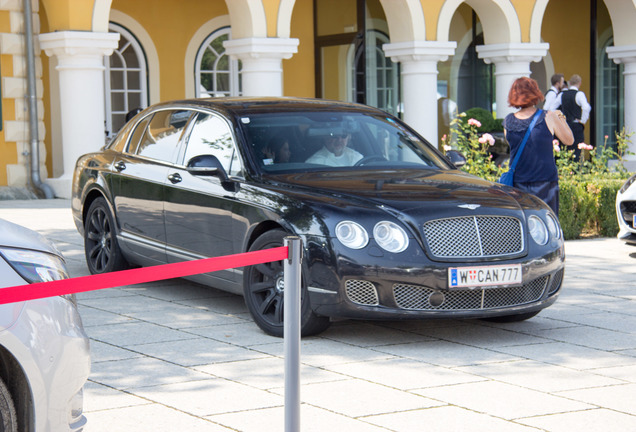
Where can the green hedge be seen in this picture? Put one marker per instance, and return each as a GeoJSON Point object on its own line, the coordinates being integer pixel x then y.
{"type": "Point", "coordinates": [588, 207]}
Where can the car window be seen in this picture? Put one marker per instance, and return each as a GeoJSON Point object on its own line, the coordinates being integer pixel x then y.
{"type": "Point", "coordinates": [300, 141]}
{"type": "Point", "coordinates": [211, 135]}
{"type": "Point", "coordinates": [139, 131]}
{"type": "Point", "coordinates": [160, 137]}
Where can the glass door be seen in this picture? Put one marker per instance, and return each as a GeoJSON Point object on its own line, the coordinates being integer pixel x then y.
{"type": "Point", "coordinates": [350, 63]}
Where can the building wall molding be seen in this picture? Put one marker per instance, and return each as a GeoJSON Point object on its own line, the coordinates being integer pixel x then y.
{"type": "Point", "coordinates": [80, 66]}
{"type": "Point", "coordinates": [262, 70]}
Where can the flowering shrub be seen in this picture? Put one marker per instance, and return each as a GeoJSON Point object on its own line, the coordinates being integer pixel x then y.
{"type": "Point", "coordinates": [587, 187]}
{"type": "Point", "coordinates": [474, 146]}
{"type": "Point", "coordinates": [597, 165]}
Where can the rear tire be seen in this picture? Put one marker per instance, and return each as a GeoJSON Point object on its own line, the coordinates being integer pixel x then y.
{"type": "Point", "coordinates": [8, 417]}
{"type": "Point", "coordinates": [101, 248]}
{"type": "Point", "coordinates": [264, 294]}
{"type": "Point", "coordinates": [512, 318]}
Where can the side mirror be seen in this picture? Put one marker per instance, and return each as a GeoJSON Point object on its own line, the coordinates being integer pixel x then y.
{"type": "Point", "coordinates": [206, 165]}
{"type": "Point", "coordinates": [456, 158]}
{"type": "Point", "coordinates": [210, 166]}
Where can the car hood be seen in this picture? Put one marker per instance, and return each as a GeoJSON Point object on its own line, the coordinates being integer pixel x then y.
{"type": "Point", "coordinates": [17, 236]}
{"type": "Point", "coordinates": [413, 192]}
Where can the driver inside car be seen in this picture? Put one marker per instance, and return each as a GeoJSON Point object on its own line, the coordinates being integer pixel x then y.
{"type": "Point", "coordinates": [335, 151]}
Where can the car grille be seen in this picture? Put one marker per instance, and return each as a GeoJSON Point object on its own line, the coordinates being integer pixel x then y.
{"type": "Point", "coordinates": [556, 281]}
{"type": "Point", "coordinates": [362, 292]}
{"type": "Point", "coordinates": [474, 236]}
{"type": "Point", "coordinates": [628, 210]}
{"type": "Point", "coordinates": [415, 297]}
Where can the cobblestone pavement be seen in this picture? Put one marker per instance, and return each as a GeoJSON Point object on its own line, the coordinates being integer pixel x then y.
{"type": "Point", "coordinates": [176, 356]}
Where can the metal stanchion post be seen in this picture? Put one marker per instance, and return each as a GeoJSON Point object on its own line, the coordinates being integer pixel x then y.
{"type": "Point", "coordinates": [291, 310]}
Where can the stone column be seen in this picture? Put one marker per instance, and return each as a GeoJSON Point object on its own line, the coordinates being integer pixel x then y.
{"type": "Point", "coordinates": [419, 81]}
{"type": "Point", "coordinates": [511, 60]}
{"type": "Point", "coordinates": [262, 68]}
{"type": "Point", "coordinates": [626, 54]}
{"type": "Point", "coordinates": [80, 59]}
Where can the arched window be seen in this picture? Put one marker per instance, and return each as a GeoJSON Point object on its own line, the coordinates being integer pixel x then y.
{"type": "Point", "coordinates": [217, 74]}
{"type": "Point", "coordinates": [126, 83]}
{"type": "Point", "coordinates": [381, 73]}
{"type": "Point", "coordinates": [609, 96]}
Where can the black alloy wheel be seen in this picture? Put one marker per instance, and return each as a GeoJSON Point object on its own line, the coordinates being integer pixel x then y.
{"type": "Point", "coordinates": [100, 242]}
{"type": "Point", "coordinates": [263, 288]}
{"type": "Point", "coordinates": [8, 417]}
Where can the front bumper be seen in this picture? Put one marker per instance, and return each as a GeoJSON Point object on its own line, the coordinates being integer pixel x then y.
{"type": "Point", "coordinates": [417, 288]}
{"type": "Point", "coordinates": [625, 211]}
{"type": "Point", "coordinates": [49, 343]}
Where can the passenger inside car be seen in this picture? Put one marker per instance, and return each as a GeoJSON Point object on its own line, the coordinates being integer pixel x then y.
{"type": "Point", "coordinates": [277, 150]}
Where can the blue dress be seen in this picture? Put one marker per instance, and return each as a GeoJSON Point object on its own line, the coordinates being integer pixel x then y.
{"type": "Point", "coordinates": [536, 171]}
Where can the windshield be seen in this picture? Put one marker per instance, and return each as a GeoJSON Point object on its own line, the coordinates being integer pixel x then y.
{"type": "Point", "coordinates": [285, 142]}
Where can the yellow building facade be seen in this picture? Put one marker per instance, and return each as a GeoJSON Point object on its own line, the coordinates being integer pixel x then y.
{"type": "Point", "coordinates": [98, 60]}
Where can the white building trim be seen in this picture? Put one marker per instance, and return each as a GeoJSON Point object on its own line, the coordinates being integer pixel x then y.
{"type": "Point", "coordinates": [262, 63]}
{"type": "Point", "coordinates": [511, 60]}
{"type": "Point", "coordinates": [419, 81]}
{"type": "Point", "coordinates": [80, 63]}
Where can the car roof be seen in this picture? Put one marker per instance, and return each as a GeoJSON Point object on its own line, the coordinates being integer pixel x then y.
{"type": "Point", "coordinates": [239, 106]}
{"type": "Point", "coordinates": [17, 236]}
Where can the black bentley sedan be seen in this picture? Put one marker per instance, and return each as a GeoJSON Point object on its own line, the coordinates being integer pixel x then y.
{"type": "Point", "coordinates": [391, 229]}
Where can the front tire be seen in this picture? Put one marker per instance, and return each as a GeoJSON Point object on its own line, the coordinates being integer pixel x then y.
{"type": "Point", "coordinates": [8, 417]}
{"type": "Point", "coordinates": [101, 248]}
{"type": "Point", "coordinates": [264, 293]}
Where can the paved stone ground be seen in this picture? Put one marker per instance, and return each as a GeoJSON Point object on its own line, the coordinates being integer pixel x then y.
{"type": "Point", "coordinates": [176, 356]}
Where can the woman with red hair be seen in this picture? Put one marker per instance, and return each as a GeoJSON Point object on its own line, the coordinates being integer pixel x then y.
{"type": "Point", "coordinates": [536, 171]}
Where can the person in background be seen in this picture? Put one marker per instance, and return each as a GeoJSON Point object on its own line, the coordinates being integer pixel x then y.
{"type": "Point", "coordinates": [558, 84]}
{"type": "Point", "coordinates": [536, 171]}
{"type": "Point", "coordinates": [574, 105]}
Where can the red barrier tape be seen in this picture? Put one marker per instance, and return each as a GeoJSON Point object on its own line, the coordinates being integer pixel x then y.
{"type": "Point", "coordinates": [140, 275]}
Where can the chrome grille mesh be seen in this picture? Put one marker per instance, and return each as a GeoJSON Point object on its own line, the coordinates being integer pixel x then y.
{"type": "Point", "coordinates": [362, 292]}
{"type": "Point", "coordinates": [555, 284]}
{"type": "Point", "coordinates": [417, 297]}
{"type": "Point", "coordinates": [474, 236]}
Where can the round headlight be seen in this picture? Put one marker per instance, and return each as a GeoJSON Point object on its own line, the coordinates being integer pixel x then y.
{"type": "Point", "coordinates": [352, 235]}
{"type": "Point", "coordinates": [391, 237]}
{"type": "Point", "coordinates": [553, 226]}
{"type": "Point", "coordinates": [537, 229]}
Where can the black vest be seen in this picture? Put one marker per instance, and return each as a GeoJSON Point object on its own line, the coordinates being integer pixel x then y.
{"type": "Point", "coordinates": [569, 107]}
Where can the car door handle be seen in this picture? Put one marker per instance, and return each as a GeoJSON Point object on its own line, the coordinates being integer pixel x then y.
{"type": "Point", "coordinates": [175, 178]}
{"type": "Point", "coordinates": [120, 166]}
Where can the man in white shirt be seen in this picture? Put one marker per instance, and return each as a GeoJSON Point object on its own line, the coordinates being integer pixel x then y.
{"type": "Point", "coordinates": [335, 151]}
{"type": "Point", "coordinates": [574, 105]}
{"type": "Point", "coordinates": [558, 84]}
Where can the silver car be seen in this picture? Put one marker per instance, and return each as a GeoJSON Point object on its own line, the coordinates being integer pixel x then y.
{"type": "Point", "coordinates": [44, 351]}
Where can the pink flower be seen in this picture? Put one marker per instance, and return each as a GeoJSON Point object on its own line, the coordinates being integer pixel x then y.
{"type": "Point", "coordinates": [555, 142]}
{"type": "Point", "coordinates": [447, 147]}
{"type": "Point", "coordinates": [606, 136]}
{"type": "Point", "coordinates": [487, 138]}
{"type": "Point", "coordinates": [557, 149]}
{"type": "Point", "coordinates": [583, 146]}
{"type": "Point", "coordinates": [443, 137]}
{"type": "Point", "coordinates": [474, 122]}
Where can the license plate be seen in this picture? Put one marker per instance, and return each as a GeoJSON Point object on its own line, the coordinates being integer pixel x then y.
{"type": "Point", "coordinates": [484, 276]}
